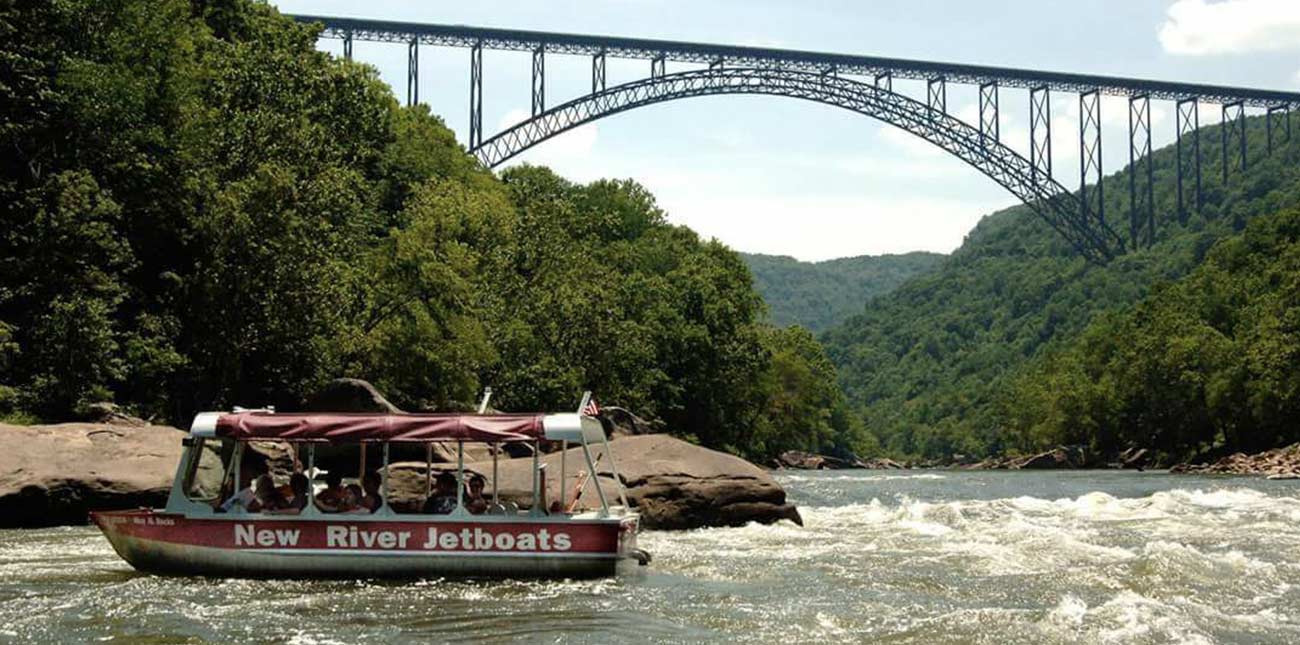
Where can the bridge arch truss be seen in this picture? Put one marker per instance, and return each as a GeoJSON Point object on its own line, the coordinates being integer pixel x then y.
{"type": "Point", "coordinates": [1052, 201]}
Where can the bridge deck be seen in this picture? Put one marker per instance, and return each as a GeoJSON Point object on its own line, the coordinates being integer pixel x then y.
{"type": "Point", "coordinates": [732, 55]}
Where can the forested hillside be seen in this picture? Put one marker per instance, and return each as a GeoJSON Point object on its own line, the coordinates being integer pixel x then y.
{"type": "Point", "coordinates": [200, 210]}
{"type": "Point", "coordinates": [819, 295]}
{"type": "Point", "coordinates": [1204, 366]}
{"type": "Point", "coordinates": [939, 365]}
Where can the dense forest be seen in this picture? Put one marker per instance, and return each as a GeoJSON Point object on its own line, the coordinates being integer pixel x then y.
{"type": "Point", "coordinates": [198, 210]}
{"type": "Point", "coordinates": [1205, 365]}
{"type": "Point", "coordinates": [820, 295]}
{"type": "Point", "coordinates": [1015, 343]}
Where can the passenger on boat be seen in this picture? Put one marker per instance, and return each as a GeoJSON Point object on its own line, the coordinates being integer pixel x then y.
{"type": "Point", "coordinates": [474, 500]}
{"type": "Point", "coordinates": [239, 499]}
{"type": "Point", "coordinates": [333, 498]}
{"type": "Point", "coordinates": [443, 499]}
{"type": "Point", "coordinates": [352, 500]}
{"type": "Point", "coordinates": [247, 478]}
{"type": "Point", "coordinates": [373, 500]}
{"type": "Point", "coordinates": [300, 486]}
{"type": "Point", "coordinates": [267, 497]}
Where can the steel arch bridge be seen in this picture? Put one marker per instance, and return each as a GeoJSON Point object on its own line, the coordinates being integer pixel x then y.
{"type": "Point", "coordinates": [1052, 201]}
{"type": "Point", "coordinates": [829, 78]}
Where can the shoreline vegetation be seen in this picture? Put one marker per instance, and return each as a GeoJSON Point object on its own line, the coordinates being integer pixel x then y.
{"type": "Point", "coordinates": [200, 210]}
{"type": "Point", "coordinates": [1278, 463]}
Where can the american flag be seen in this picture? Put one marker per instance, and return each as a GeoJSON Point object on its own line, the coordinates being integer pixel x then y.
{"type": "Point", "coordinates": [592, 409]}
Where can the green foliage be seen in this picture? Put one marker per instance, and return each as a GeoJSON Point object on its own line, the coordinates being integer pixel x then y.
{"type": "Point", "coordinates": [805, 408]}
{"type": "Point", "coordinates": [930, 365]}
{"type": "Point", "coordinates": [1205, 365]}
{"type": "Point", "coordinates": [200, 210]}
{"type": "Point", "coordinates": [820, 295]}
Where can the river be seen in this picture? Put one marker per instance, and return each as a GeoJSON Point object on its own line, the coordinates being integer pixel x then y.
{"type": "Point", "coordinates": [897, 557]}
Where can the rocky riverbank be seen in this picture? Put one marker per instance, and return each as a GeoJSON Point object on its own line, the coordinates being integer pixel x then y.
{"type": "Point", "coordinates": [1281, 463]}
{"type": "Point", "coordinates": [1062, 457]}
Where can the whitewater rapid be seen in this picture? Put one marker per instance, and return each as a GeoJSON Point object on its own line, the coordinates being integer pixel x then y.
{"type": "Point", "coordinates": [928, 557]}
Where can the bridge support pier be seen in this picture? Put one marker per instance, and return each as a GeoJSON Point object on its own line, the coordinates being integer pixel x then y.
{"type": "Point", "coordinates": [1040, 133]}
{"type": "Point", "coordinates": [476, 95]}
{"type": "Point", "coordinates": [413, 72]}
{"type": "Point", "coordinates": [1233, 134]}
{"type": "Point", "coordinates": [990, 128]}
{"type": "Point", "coordinates": [885, 81]}
{"type": "Point", "coordinates": [1139, 150]}
{"type": "Point", "coordinates": [936, 94]}
{"type": "Point", "coordinates": [1090, 155]}
{"type": "Point", "coordinates": [539, 80]}
{"type": "Point", "coordinates": [1278, 117]}
{"type": "Point", "coordinates": [1187, 117]}
{"type": "Point", "coordinates": [598, 73]}
{"type": "Point", "coordinates": [347, 46]}
{"type": "Point", "coordinates": [658, 67]}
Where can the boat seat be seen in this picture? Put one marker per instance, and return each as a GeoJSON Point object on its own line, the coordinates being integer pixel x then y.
{"type": "Point", "coordinates": [496, 509]}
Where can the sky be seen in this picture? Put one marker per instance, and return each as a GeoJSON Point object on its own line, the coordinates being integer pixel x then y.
{"type": "Point", "coordinates": [789, 177]}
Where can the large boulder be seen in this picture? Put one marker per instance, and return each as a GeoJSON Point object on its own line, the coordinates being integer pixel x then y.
{"type": "Point", "coordinates": [674, 484]}
{"type": "Point", "coordinates": [55, 474]}
{"type": "Point", "coordinates": [109, 413]}
{"type": "Point", "coordinates": [349, 395]}
{"type": "Point", "coordinates": [620, 422]}
{"type": "Point", "coordinates": [678, 485]}
{"type": "Point", "coordinates": [800, 460]}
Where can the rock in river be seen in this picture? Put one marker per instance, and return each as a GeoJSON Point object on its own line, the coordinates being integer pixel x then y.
{"type": "Point", "coordinates": [674, 484]}
{"type": "Point", "coordinates": [54, 474]}
{"type": "Point", "coordinates": [678, 485]}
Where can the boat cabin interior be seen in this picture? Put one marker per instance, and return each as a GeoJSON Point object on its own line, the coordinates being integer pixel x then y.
{"type": "Point", "coordinates": [396, 466]}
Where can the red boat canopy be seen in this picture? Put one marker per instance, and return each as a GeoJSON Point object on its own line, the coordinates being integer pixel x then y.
{"type": "Point", "coordinates": [352, 428]}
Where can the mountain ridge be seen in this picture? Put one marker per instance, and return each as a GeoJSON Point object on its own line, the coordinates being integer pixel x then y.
{"type": "Point", "coordinates": [818, 295]}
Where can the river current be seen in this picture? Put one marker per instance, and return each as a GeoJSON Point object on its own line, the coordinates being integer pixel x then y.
{"type": "Point", "coordinates": [895, 557]}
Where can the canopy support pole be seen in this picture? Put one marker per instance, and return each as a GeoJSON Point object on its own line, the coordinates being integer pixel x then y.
{"type": "Point", "coordinates": [361, 470]}
{"type": "Point", "coordinates": [591, 467]}
{"type": "Point", "coordinates": [496, 481]}
{"type": "Point", "coordinates": [310, 509]}
{"type": "Point", "coordinates": [460, 476]}
{"type": "Point", "coordinates": [613, 467]}
{"type": "Point", "coordinates": [428, 469]}
{"type": "Point", "coordinates": [238, 465]}
{"type": "Point", "coordinates": [384, 507]}
{"type": "Point", "coordinates": [564, 471]}
{"type": "Point", "coordinates": [537, 450]}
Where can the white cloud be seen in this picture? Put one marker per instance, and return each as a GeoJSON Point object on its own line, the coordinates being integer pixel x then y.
{"type": "Point", "coordinates": [1200, 27]}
